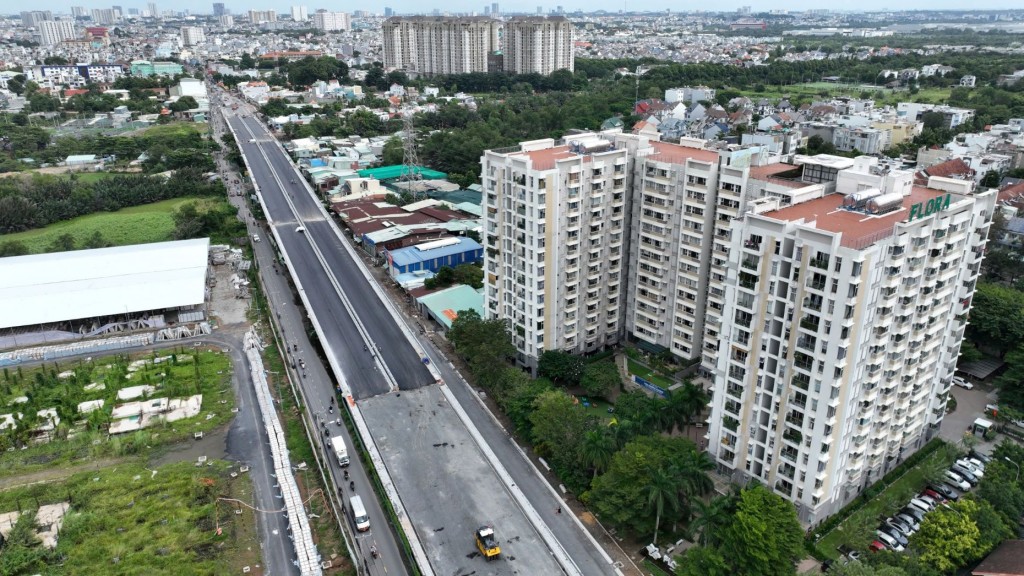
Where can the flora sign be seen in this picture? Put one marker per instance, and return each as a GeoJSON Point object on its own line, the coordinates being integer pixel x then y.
{"type": "Point", "coordinates": [922, 209]}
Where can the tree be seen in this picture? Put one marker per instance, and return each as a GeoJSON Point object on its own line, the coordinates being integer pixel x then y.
{"type": "Point", "coordinates": [711, 517]}
{"type": "Point", "coordinates": [13, 248]}
{"type": "Point", "coordinates": [702, 561]}
{"type": "Point", "coordinates": [997, 317]}
{"type": "Point", "coordinates": [662, 491]}
{"type": "Point", "coordinates": [601, 378]}
{"type": "Point", "coordinates": [246, 61]}
{"type": "Point", "coordinates": [597, 450]}
{"type": "Point", "coordinates": [685, 402]}
{"type": "Point", "coordinates": [394, 152]}
{"type": "Point", "coordinates": [485, 344]}
{"type": "Point", "coordinates": [561, 367]}
{"type": "Point", "coordinates": [864, 569]}
{"type": "Point", "coordinates": [63, 243]}
{"type": "Point", "coordinates": [559, 425]}
{"type": "Point", "coordinates": [948, 538]}
{"type": "Point", "coordinates": [184, 104]}
{"type": "Point", "coordinates": [765, 537]}
{"type": "Point", "coordinates": [991, 180]}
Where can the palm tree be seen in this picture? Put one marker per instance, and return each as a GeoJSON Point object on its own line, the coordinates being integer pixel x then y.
{"type": "Point", "coordinates": [598, 449]}
{"type": "Point", "coordinates": [691, 474]}
{"type": "Point", "coordinates": [662, 490]}
{"type": "Point", "coordinates": [711, 517]}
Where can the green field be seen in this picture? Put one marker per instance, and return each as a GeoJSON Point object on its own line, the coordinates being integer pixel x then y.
{"type": "Point", "coordinates": [79, 438]}
{"type": "Point", "coordinates": [807, 91]}
{"type": "Point", "coordinates": [135, 225]}
{"type": "Point", "coordinates": [649, 375]}
{"type": "Point", "coordinates": [131, 520]}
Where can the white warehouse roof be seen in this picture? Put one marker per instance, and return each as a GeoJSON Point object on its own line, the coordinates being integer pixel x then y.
{"type": "Point", "coordinates": [46, 288]}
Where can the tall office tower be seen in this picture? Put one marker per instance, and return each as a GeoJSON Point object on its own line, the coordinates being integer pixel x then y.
{"type": "Point", "coordinates": [487, 10]}
{"type": "Point", "coordinates": [555, 229]}
{"type": "Point", "coordinates": [299, 14]}
{"type": "Point", "coordinates": [540, 10]}
{"type": "Point", "coordinates": [218, 9]}
{"type": "Point", "coordinates": [388, 12]}
{"type": "Point", "coordinates": [331, 21]}
{"type": "Point", "coordinates": [843, 317]}
{"type": "Point", "coordinates": [535, 44]}
{"type": "Point", "coordinates": [118, 12]}
{"type": "Point", "coordinates": [494, 9]}
{"type": "Point", "coordinates": [439, 45]}
{"type": "Point", "coordinates": [151, 8]}
{"type": "Point", "coordinates": [192, 35]}
{"type": "Point", "coordinates": [31, 19]}
{"type": "Point", "coordinates": [52, 32]}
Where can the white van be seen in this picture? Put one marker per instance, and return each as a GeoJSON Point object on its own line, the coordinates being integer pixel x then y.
{"type": "Point", "coordinates": [359, 517]}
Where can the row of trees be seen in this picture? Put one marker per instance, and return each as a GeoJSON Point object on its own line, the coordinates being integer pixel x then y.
{"type": "Point", "coordinates": [39, 200]}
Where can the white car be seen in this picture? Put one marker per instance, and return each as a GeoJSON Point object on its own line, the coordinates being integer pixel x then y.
{"type": "Point", "coordinates": [962, 383]}
{"type": "Point", "coordinates": [889, 541]}
{"type": "Point", "coordinates": [955, 479]}
{"type": "Point", "coordinates": [255, 237]}
{"type": "Point", "coordinates": [972, 467]}
{"type": "Point", "coordinates": [921, 504]}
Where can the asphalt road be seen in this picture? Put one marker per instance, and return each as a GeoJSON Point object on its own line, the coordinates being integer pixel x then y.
{"type": "Point", "coordinates": [453, 494]}
{"type": "Point", "coordinates": [316, 384]}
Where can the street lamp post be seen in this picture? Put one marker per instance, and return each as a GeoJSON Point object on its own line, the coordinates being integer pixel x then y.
{"type": "Point", "coordinates": [1017, 477]}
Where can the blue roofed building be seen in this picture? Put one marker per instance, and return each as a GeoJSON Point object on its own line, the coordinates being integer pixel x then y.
{"type": "Point", "coordinates": [432, 256]}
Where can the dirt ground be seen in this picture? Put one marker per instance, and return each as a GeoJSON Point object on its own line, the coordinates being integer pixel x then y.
{"type": "Point", "coordinates": [230, 312]}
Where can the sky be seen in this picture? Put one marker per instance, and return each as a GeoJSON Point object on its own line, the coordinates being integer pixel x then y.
{"type": "Point", "coordinates": [418, 6]}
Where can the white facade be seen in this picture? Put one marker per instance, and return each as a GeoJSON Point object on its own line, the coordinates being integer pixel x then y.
{"type": "Point", "coordinates": [439, 45]}
{"type": "Point", "coordinates": [556, 242]}
{"type": "Point", "coordinates": [257, 16]}
{"type": "Point", "coordinates": [73, 75]}
{"type": "Point", "coordinates": [840, 333]}
{"type": "Point", "coordinates": [299, 14]}
{"type": "Point", "coordinates": [538, 44]}
{"type": "Point", "coordinates": [53, 32]}
{"type": "Point", "coordinates": [331, 21]}
{"type": "Point", "coordinates": [192, 35]}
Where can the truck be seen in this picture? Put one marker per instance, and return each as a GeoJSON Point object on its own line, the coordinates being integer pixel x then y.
{"type": "Point", "coordinates": [340, 451]}
{"type": "Point", "coordinates": [486, 543]}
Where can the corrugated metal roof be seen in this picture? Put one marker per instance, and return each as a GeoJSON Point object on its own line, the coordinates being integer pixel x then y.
{"type": "Point", "coordinates": [413, 254]}
{"type": "Point", "coordinates": [446, 304]}
{"type": "Point", "coordinates": [45, 288]}
{"type": "Point", "coordinates": [392, 172]}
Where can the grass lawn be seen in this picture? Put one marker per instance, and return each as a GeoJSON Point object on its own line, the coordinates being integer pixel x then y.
{"type": "Point", "coordinates": [130, 520]}
{"type": "Point", "coordinates": [79, 438]}
{"type": "Point", "coordinates": [812, 90]}
{"type": "Point", "coordinates": [649, 375]}
{"type": "Point", "coordinates": [135, 225]}
{"type": "Point", "coordinates": [894, 497]}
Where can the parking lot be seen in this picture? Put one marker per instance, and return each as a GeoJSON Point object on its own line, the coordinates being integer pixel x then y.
{"type": "Point", "coordinates": [970, 404]}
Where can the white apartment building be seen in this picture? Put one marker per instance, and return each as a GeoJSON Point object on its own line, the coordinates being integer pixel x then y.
{"type": "Point", "coordinates": [52, 32]}
{"type": "Point", "coordinates": [538, 44]}
{"type": "Point", "coordinates": [439, 45]}
{"type": "Point", "coordinates": [557, 243]}
{"type": "Point", "coordinates": [843, 317]}
{"type": "Point", "coordinates": [104, 16]}
{"type": "Point", "coordinates": [331, 21]}
{"type": "Point", "coordinates": [192, 35]}
{"type": "Point", "coordinates": [57, 77]}
{"type": "Point", "coordinates": [300, 14]}
{"type": "Point", "coordinates": [257, 16]}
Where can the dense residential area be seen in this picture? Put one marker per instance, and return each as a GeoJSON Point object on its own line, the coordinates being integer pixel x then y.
{"type": "Point", "coordinates": [514, 289]}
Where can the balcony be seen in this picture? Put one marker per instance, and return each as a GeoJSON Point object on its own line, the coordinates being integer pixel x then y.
{"type": "Point", "coordinates": [820, 263]}
{"type": "Point", "coordinates": [809, 323]}
{"type": "Point", "coordinates": [794, 436]}
{"type": "Point", "coordinates": [801, 381]}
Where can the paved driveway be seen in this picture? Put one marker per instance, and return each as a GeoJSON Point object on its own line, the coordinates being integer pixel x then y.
{"type": "Point", "coordinates": [970, 404]}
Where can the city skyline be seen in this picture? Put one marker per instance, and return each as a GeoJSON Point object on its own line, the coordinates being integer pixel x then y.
{"type": "Point", "coordinates": [409, 7]}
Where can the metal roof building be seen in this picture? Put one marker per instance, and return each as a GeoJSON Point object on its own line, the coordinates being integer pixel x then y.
{"type": "Point", "coordinates": [444, 305]}
{"type": "Point", "coordinates": [62, 286]}
{"type": "Point", "coordinates": [397, 170]}
{"type": "Point", "coordinates": [433, 255]}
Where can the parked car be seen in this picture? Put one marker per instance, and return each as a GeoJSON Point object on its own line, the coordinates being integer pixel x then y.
{"type": "Point", "coordinates": [957, 480]}
{"type": "Point", "coordinates": [900, 525]}
{"type": "Point", "coordinates": [971, 467]}
{"type": "Point", "coordinates": [933, 494]}
{"type": "Point", "coordinates": [947, 491]}
{"type": "Point", "coordinates": [853, 555]}
{"type": "Point", "coordinates": [876, 546]}
{"type": "Point", "coordinates": [917, 513]}
{"type": "Point", "coordinates": [911, 521]}
{"type": "Point", "coordinates": [921, 504]}
{"type": "Point", "coordinates": [890, 541]}
{"type": "Point", "coordinates": [984, 458]}
{"type": "Point", "coordinates": [977, 462]}
{"type": "Point", "coordinates": [965, 474]}
{"type": "Point", "coordinates": [962, 383]}
{"type": "Point", "coordinates": [934, 502]}
{"type": "Point", "coordinates": [899, 536]}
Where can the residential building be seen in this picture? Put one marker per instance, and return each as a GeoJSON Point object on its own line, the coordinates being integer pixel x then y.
{"type": "Point", "coordinates": [218, 9]}
{"type": "Point", "coordinates": [968, 81]}
{"type": "Point", "coordinates": [951, 117]}
{"type": "Point", "coordinates": [73, 75]}
{"type": "Point", "coordinates": [104, 16]}
{"type": "Point", "coordinates": [538, 44]}
{"type": "Point", "coordinates": [847, 138]}
{"type": "Point", "coordinates": [32, 18]}
{"type": "Point", "coordinates": [299, 14]}
{"type": "Point", "coordinates": [192, 35]}
{"type": "Point", "coordinates": [556, 242]}
{"type": "Point", "coordinates": [257, 16]}
{"type": "Point", "coordinates": [151, 9]}
{"type": "Point", "coordinates": [897, 132]}
{"type": "Point", "coordinates": [79, 12]}
{"type": "Point", "coordinates": [226, 20]}
{"type": "Point", "coordinates": [331, 21]}
{"type": "Point", "coordinates": [690, 94]}
{"type": "Point", "coordinates": [52, 32]}
{"type": "Point", "coordinates": [842, 324]}
{"type": "Point", "coordinates": [439, 45]}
